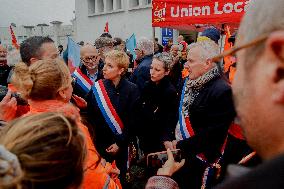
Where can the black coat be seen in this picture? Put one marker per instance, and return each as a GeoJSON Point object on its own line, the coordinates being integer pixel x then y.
{"type": "Point", "coordinates": [156, 113]}
{"type": "Point", "coordinates": [268, 175]}
{"type": "Point", "coordinates": [122, 98]}
{"type": "Point", "coordinates": [142, 73]}
{"type": "Point", "coordinates": [176, 76]}
{"type": "Point", "coordinates": [4, 74]}
{"type": "Point", "coordinates": [211, 114]}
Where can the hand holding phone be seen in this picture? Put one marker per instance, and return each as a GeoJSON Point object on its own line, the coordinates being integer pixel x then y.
{"type": "Point", "coordinates": [171, 166]}
{"type": "Point", "coordinates": [158, 159]}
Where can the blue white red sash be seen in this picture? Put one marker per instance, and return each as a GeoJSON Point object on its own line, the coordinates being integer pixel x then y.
{"type": "Point", "coordinates": [83, 81]}
{"type": "Point", "coordinates": [184, 130]}
{"type": "Point", "coordinates": [107, 109]}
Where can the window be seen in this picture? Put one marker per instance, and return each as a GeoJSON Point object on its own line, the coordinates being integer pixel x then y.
{"type": "Point", "coordinates": [118, 5]}
{"type": "Point", "coordinates": [91, 6]}
{"type": "Point", "coordinates": [148, 2]}
{"type": "Point", "coordinates": [104, 6]}
{"type": "Point", "coordinates": [133, 3]}
{"type": "Point", "coordinates": [101, 6]}
{"type": "Point", "coordinates": [109, 6]}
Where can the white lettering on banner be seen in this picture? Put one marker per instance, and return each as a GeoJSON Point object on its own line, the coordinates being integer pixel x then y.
{"type": "Point", "coordinates": [236, 7]}
{"type": "Point", "coordinates": [172, 12]}
{"type": "Point", "coordinates": [196, 11]}
{"type": "Point", "coordinates": [246, 5]}
{"type": "Point", "coordinates": [177, 11]}
{"type": "Point", "coordinates": [206, 10]}
{"type": "Point", "coordinates": [160, 13]}
{"type": "Point", "coordinates": [184, 12]}
{"type": "Point", "coordinates": [216, 11]}
{"type": "Point", "coordinates": [228, 8]}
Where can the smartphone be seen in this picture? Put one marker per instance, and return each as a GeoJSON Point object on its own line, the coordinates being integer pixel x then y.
{"type": "Point", "coordinates": [158, 159]}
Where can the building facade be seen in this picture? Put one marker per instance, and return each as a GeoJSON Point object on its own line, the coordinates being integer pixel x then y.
{"type": "Point", "coordinates": [124, 17]}
{"type": "Point", "coordinates": [56, 31]}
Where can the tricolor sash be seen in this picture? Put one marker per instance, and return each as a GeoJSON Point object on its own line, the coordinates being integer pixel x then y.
{"type": "Point", "coordinates": [113, 120]}
{"type": "Point", "coordinates": [83, 81]}
{"type": "Point", "coordinates": [184, 130]}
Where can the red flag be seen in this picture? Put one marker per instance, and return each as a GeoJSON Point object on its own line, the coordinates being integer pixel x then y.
{"type": "Point", "coordinates": [106, 28]}
{"type": "Point", "coordinates": [14, 39]}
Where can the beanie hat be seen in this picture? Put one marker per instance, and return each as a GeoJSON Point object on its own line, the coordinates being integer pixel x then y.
{"type": "Point", "coordinates": [212, 33]}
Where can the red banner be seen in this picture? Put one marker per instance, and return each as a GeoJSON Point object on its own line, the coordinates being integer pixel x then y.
{"type": "Point", "coordinates": [169, 13]}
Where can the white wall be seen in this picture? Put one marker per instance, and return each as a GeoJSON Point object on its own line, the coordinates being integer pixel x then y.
{"type": "Point", "coordinates": [121, 24]}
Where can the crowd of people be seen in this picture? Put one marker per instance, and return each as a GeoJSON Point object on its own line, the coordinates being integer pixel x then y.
{"type": "Point", "coordinates": [96, 126]}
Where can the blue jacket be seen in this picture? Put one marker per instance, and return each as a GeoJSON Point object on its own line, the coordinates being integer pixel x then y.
{"type": "Point", "coordinates": [142, 73]}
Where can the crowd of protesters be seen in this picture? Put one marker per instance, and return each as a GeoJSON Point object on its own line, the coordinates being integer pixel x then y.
{"type": "Point", "coordinates": [94, 127]}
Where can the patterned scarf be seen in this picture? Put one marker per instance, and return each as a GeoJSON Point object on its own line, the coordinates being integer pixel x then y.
{"type": "Point", "coordinates": [193, 88]}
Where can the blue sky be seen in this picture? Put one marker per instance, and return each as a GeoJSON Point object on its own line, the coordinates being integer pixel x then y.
{"type": "Point", "coordinates": [33, 12]}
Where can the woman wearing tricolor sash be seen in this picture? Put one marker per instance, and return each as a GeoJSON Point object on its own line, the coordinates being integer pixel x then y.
{"type": "Point", "coordinates": [110, 104]}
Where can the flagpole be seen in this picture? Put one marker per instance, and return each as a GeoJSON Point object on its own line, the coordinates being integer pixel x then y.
{"type": "Point", "coordinates": [154, 33]}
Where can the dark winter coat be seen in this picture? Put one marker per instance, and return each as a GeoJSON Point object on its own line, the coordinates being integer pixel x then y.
{"type": "Point", "coordinates": [156, 113]}
{"type": "Point", "coordinates": [4, 74]}
{"type": "Point", "coordinates": [142, 73]}
{"type": "Point", "coordinates": [211, 114]}
{"type": "Point", "coordinates": [268, 175]}
{"type": "Point", "coordinates": [122, 98]}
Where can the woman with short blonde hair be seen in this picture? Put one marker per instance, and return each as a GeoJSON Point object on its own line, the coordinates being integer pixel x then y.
{"type": "Point", "coordinates": [110, 105]}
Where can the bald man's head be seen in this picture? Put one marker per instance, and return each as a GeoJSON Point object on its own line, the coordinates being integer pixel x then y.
{"type": "Point", "coordinates": [3, 55]}
{"type": "Point", "coordinates": [180, 38]}
{"type": "Point", "coordinates": [90, 56]}
{"type": "Point", "coordinates": [88, 49]}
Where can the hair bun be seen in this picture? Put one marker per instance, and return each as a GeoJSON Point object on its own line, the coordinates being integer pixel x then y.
{"type": "Point", "coordinates": [22, 79]}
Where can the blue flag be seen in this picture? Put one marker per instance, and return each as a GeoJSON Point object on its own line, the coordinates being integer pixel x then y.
{"type": "Point", "coordinates": [73, 50]}
{"type": "Point", "coordinates": [131, 45]}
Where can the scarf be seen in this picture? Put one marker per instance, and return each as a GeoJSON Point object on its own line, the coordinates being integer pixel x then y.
{"type": "Point", "coordinates": [193, 88]}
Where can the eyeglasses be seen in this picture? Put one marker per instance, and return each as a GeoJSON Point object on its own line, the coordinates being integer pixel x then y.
{"type": "Point", "coordinates": [3, 52]}
{"type": "Point", "coordinates": [90, 58]}
{"type": "Point", "coordinates": [235, 49]}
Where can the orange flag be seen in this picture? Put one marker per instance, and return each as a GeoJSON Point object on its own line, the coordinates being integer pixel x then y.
{"type": "Point", "coordinates": [14, 39]}
{"type": "Point", "coordinates": [227, 46]}
{"type": "Point", "coordinates": [106, 28]}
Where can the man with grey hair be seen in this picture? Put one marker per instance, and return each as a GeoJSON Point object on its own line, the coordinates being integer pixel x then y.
{"type": "Point", "coordinates": [145, 50]}
{"type": "Point", "coordinates": [205, 115]}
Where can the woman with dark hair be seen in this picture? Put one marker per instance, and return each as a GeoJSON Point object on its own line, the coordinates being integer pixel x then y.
{"type": "Point", "coordinates": [157, 107]}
